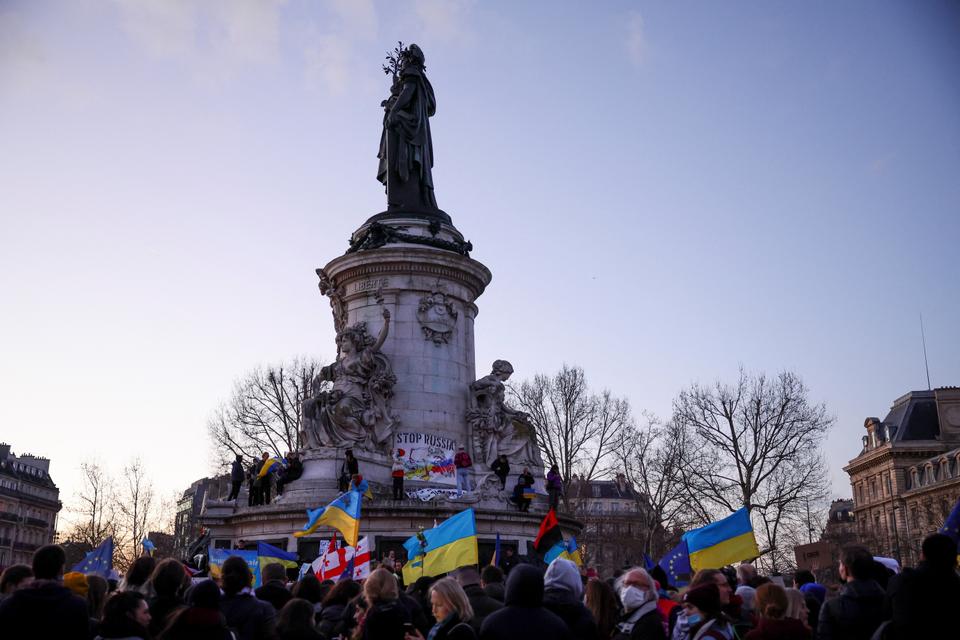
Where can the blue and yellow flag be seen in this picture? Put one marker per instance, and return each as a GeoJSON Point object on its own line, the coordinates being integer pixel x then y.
{"type": "Point", "coordinates": [98, 562]}
{"type": "Point", "coordinates": [218, 556]}
{"type": "Point", "coordinates": [363, 487]}
{"type": "Point", "coordinates": [270, 466]}
{"type": "Point", "coordinates": [567, 550]}
{"type": "Point", "coordinates": [448, 546]}
{"type": "Point", "coordinates": [267, 554]}
{"type": "Point", "coordinates": [495, 558]}
{"type": "Point", "coordinates": [343, 514]}
{"type": "Point", "coordinates": [723, 542]}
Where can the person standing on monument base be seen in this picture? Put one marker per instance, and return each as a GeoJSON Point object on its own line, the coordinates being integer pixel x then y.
{"type": "Point", "coordinates": [463, 463]}
{"type": "Point", "coordinates": [501, 469]}
{"type": "Point", "coordinates": [554, 486]}
{"type": "Point", "coordinates": [236, 477]}
{"type": "Point", "coordinates": [396, 472]}
{"type": "Point", "coordinates": [348, 469]}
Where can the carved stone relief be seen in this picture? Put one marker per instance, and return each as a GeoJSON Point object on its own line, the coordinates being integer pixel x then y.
{"type": "Point", "coordinates": [437, 317]}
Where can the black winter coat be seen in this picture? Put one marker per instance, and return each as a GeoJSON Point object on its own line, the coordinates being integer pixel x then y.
{"type": "Point", "coordinates": [331, 621]}
{"type": "Point", "coordinates": [853, 615]}
{"type": "Point", "coordinates": [452, 629]}
{"type": "Point", "coordinates": [923, 602]}
{"type": "Point", "coordinates": [648, 626]}
{"type": "Point", "coordinates": [46, 609]}
{"type": "Point", "coordinates": [495, 591]}
{"type": "Point", "coordinates": [250, 618]}
{"type": "Point", "coordinates": [524, 617]}
{"type": "Point", "coordinates": [274, 592]}
{"type": "Point", "coordinates": [573, 612]}
{"type": "Point", "coordinates": [482, 605]}
{"type": "Point", "coordinates": [385, 621]}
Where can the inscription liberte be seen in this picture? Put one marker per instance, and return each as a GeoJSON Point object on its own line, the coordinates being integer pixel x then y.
{"type": "Point", "coordinates": [370, 285]}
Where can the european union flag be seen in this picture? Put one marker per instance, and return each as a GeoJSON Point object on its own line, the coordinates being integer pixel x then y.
{"type": "Point", "coordinates": [951, 527]}
{"type": "Point", "coordinates": [676, 564]}
{"type": "Point", "coordinates": [647, 562]}
{"type": "Point", "coordinates": [98, 562]}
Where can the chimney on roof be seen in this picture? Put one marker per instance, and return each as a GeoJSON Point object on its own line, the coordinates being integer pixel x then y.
{"type": "Point", "coordinates": [621, 482]}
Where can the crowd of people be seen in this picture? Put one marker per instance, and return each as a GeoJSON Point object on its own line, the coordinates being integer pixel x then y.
{"type": "Point", "coordinates": [163, 600]}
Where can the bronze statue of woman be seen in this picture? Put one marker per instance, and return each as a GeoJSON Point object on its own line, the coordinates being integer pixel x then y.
{"type": "Point", "coordinates": [406, 148]}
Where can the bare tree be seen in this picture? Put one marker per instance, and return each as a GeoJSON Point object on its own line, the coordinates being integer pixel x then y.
{"type": "Point", "coordinates": [94, 506]}
{"type": "Point", "coordinates": [264, 412]}
{"type": "Point", "coordinates": [762, 439]}
{"type": "Point", "coordinates": [577, 430]}
{"type": "Point", "coordinates": [652, 458]}
{"type": "Point", "coordinates": [137, 512]}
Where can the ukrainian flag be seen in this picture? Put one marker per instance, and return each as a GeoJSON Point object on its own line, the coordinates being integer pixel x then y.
{"type": "Point", "coordinates": [270, 466]}
{"type": "Point", "coordinates": [723, 542]}
{"type": "Point", "coordinates": [446, 547]}
{"type": "Point", "coordinates": [343, 514]}
{"type": "Point", "coordinates": [567, 550]}
{"type": "Point", "coordinates": [267, 554]}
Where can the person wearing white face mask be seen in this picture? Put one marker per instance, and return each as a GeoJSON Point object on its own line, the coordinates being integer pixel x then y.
{"type": "Point", "coordinates": [640, 619]}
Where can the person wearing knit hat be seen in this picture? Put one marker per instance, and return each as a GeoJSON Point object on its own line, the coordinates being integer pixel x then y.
{"type": "Point", "coordinates": [76, 582]}
{"type": "Point", "coordinates": [701, 604]}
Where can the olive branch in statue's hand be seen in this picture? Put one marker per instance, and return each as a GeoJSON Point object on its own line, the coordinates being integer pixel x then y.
{"type": "Point", "coordinates": [394, 60]}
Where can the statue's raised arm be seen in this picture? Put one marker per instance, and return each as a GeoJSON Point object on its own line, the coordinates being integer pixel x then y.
{"type": "Point", "coordinates": [384, 330]}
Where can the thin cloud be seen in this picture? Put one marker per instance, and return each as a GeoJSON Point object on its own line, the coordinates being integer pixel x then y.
{"type": "Point", "coordinates": [329, 53]}
{"type": "Point", "coordinates": [445, 20]}
{"type": "Point", "coordinates": [636, 40]}
{"type": "Point", "coordinates": [216, 39]}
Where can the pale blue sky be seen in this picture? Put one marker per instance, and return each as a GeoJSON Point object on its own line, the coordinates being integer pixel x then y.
{"type": "Point", "coordinates": [663, 191]}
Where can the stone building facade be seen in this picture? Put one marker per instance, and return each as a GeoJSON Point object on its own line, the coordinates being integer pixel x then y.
{"type": "Point", "coordinates": [186, 528]}
{"type": "Point", "coordinates": [907, 476]}
{"type": "Point", "coordinates": [822, 557]}
{"type": "Point", "coordinates": [615, 531]}
{"type": "Point", "coordinates": [29, 503]}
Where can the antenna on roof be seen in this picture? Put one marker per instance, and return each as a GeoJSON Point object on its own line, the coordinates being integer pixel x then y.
{"type": "Point", "coordinates": [925, 363]}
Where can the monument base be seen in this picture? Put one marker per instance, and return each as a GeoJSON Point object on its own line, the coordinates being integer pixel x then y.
{"type": "Point", "coordinates": [387, 523]}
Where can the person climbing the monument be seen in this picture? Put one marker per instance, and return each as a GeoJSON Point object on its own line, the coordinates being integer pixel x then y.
{"type": "Point", "coordinates": [463, 463]}
{"type": "Point", "coordinates": [524, 484]}
{"type": "Point", "coordinates": [236, 477]}
{"type": "Point", "coordinates": [554, 486]}
{"type": "Point", "coordinates": [396, 472]}
{"type": "Point", "coordinates": [348, 469]}
{"type": "Point", "coordinates": [501, 469]}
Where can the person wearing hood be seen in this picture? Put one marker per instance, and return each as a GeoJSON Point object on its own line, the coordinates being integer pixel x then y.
{"type": "Point", "coordinates": [641, 618]}
{"type": "Point", "coordinates": [45, 608]}
{"type": "Point", "coordinates": [857, 612]}
{"type": "Point", "coordinates": [481, 603]}
{"type": "Point", "coordinates": [563, 595]}
{"type": "Point", "coordinates": [524, 616]}
{"type": "Point", "coordinates": [773, 624]}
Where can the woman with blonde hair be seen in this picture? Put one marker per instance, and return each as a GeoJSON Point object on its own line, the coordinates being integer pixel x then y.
{"type": "Point", "coordinates": [451, 609]}
{"type": "Point", "coordinates": [772, 606]}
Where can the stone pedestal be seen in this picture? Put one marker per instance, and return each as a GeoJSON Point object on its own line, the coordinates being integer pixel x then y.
{"type": "Point", "coordinates": [431, 296]}
{"type": "Point", "coordinates": [419, 270]}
